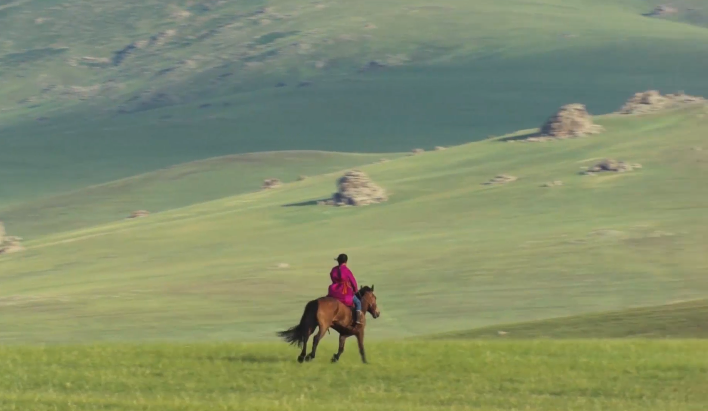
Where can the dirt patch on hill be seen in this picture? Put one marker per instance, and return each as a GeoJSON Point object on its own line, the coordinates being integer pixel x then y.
{"type": "Point", "coordinates": [148, 100]}
{"type": "Point", "coordinates": [611, 165]}
{"type": "Point", "coordinates": [501, 179]}
{"type": "Point", "coordinates": [651, 101]}
{"type": "Point", "coordinates": [156, 40]}
{"type": "Point", "coordinates": [271, 183]}
{"type": "Point", "coordinates": [139, 214]}
{"type": "Point", "coordinates": [9, 244]}
{"type": "Point", "coordinates": [662, 11]}
{"type": "Point", "coordinates": [355, 188]}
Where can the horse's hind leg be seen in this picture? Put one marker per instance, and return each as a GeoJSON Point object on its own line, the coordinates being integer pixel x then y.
{"type": "Point", "coordinates": [342, 340]}
{"type": "Point", "coordinates": [305, 337]}
{"type": "Point", "coordinates": [316, 340]}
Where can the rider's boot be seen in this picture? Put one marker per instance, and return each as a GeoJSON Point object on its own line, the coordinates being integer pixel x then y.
{"type": "Point", "coordinates": [359, 316]}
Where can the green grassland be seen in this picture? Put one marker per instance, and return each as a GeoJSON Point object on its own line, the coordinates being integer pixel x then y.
{"type": "Point", "coordinates": [534, 376]}
{"type": "Point", "coordinates": [455, 71]}
{"type": "Point", "coordinates": [99, 100]}
{"type": "Point", "coordinates": [446, 253]}
{"type": "Point", "coordinates": [680, 320]}
{"type": "Point", "coordinates": [174, 187]}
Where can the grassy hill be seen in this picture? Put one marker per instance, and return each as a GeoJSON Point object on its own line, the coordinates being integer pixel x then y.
{"type": "Point", "coordinates": [92, 92]}
{"type": "Point", "coordinates": [535, 376]}
{"type": "Point", "coordinates": [680, 320]}
{"type": "Point", "coordinates": [173, 187]}
{"type": "Point", "coordinates": [446, 253]}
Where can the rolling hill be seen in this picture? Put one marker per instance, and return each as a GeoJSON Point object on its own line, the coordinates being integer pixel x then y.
{"type": "Point", "coordinates": [174, 187]}
{"type": "Point", "coordinates": [446, 252]}
{"type": "Point", "coordinates": [96, 91]}
{"type": "Point", "coordinates": [679, 320]}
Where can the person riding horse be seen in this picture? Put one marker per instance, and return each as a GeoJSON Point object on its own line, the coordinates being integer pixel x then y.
{"type": "Point", "coordinates": [344, 286]}
{"type": "Point", "coordinates": [335, 311]}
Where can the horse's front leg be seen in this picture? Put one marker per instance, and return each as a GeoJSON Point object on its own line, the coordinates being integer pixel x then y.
{"type": "Point", "coordinates": [360, 340]}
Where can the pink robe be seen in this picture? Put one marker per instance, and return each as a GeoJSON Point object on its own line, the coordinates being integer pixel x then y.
{"type": "Point", "coordinates": [343, 285]}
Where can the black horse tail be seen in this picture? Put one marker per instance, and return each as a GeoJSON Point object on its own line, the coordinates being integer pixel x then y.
{"type": "Point", "coordinates": [298, 335]}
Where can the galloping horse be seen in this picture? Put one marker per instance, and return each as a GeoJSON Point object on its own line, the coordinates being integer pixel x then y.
{"type": "Point", "coordinates": [326, 313]}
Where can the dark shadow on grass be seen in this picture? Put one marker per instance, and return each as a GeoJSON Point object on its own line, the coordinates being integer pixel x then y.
{"type": "Point", "coordinates": [520, 137]}
{"type": "Point", "coordinates": [305, 203]}
{"type": "Point", "coordinates": [249, 358]}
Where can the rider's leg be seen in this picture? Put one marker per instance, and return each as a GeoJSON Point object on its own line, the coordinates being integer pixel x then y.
{"type": "Point", "coordinates": [357, 306]}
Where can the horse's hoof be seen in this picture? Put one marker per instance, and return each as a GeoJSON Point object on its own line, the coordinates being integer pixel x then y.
{"type": "Point", "coordinates": [309, 358]}
{"type": "Point", "coordinates": [300, 359]}
{"type": "Point", "coordinates": [335, 358]}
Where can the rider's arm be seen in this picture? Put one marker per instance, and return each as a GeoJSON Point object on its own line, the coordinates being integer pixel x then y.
{"type": "Point", "coordinates": [353, 281]}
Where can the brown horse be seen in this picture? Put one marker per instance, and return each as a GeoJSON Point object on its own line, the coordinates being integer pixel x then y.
{"type": "Point", "coordinates": [325, 313]}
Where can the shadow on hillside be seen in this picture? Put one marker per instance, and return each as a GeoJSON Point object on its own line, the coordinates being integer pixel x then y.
{"type": "Point", "coordinates": [520, 137]}
{"type": "Point", "coordinates": [305, 203]}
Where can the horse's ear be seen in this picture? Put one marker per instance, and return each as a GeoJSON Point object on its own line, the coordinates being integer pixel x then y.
{"type": "Point", "coordinates": [372, 287]}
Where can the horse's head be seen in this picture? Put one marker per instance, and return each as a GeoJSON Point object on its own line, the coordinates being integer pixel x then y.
{"type": "Point", "coordinates": [368, 300]}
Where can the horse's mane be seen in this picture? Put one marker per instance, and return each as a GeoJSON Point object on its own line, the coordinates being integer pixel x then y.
{"type": "Point", "coordinates": [363, 290]}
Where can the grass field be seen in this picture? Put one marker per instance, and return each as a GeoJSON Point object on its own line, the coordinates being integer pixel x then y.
{"type": "Point", "coordinates": [446, 253]}
{"type": "Point", "coordinates": [209, 89]}
{"type": "Point", "coordinates": [534, 376]}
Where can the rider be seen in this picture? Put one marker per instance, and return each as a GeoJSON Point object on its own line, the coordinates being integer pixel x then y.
{"type": "Point", "coordinates": [344, 286]}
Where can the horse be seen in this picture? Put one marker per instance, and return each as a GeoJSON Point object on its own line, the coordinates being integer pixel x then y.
{"type": "Point", "coordinates": [326, 313]}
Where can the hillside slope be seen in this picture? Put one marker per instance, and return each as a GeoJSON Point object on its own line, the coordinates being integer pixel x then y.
{"type": "Point", "coordinates": [679, 320]}
{"type": "Point", "coordinates": [446, 252]}
{"type": "Point", "coordinates": [95, 91]}
{"type": "Point", "coordinates": [175, 187]}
